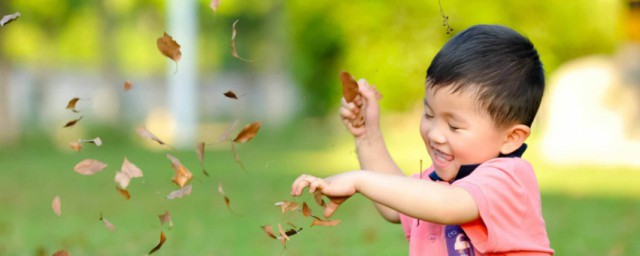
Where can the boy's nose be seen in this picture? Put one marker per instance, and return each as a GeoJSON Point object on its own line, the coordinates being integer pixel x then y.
{"type": "Point", "coordinates": [435, 136]}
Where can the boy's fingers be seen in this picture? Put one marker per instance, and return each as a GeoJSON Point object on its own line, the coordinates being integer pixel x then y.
{"type": "Point", "coordinates": [347, 114]}
{"type": "Point", "coordinates": [330, 209]}
{"type": "Point", "coordinates": [300, 183]}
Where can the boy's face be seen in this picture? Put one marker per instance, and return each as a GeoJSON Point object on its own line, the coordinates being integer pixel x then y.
{"type": "Point", "coordinates": [457, 131]}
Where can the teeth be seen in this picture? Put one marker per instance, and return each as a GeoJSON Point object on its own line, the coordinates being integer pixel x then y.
{"type": "Point", "coordinates": [442, 156]}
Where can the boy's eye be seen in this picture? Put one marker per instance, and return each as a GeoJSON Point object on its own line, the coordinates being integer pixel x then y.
{"type": "Point", "coordinates": [453, 128]}
{"type": "Point", "coordinates": [427, 115]}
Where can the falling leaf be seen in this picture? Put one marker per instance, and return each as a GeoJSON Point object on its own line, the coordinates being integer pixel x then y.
{"type": "Point", "coordinates": [226, 135]}
{"type": "Point", "coordinates": [321, 222]}
{"type": "Point", "coordinates": [318, 198]}
{"type": "Point", "coordinates": [267, 229]}
{"type": "Point", "coordinates": [306, 211]}
{"type": "Point", "coordinates": [9, 18]}
{"type": "Point", "coordinates": [236, 157]}
{"type": "Point", "coordinates": [61, 253]}
{"type": "Point", "coordinates": [162, 239]}
{"type": "Point", "coordinates": [127, 85]}
{"type": "Point", "coordinates": [144, 133]}
{"type": "Point", "coordinates": [125, 193]}
{"type": "Point", "coordinates": [56, 206]}
{"type": "Point", "coordinates": [349, 86]}
{"type": "Point", "coordinates": [214, 5]}
{"type": "Point", "coordinates": [200, 152]}
{"type": "Point", "coordinates": [287, 206]}
{"type": "Point", "coordinates": [169, 47]}
{"type": "Point", "coordinates": [226, 199]}
{"type": "Point", "coordinates": [97, 141]}
{"type": "Point", "coordinates": [89, 167]}
{"type": "Point", "coordinates": [231, 95]}
{"type": "Point", "coordinates": [248, 132]}
{"type": "Point", "coordinates": [282, 233]}
{"type": "Point", "coordinates": [72, 104]}
{"type": "Point", "coordinates": [107, 223]}
{"type": "Point", "coordinates": [72, 122]}
{"type": "Point", "coordinates": [183, 175]}
{"type": "Point", "coordinates": [77, 146]}
{"type": "Point", "coordinates": [185, 191]}
{"type": "Point", "coordinates": [126, 173]}
{"type": "Point", "coordinates": [234, 51]}
{"type": "Point", "coordinates": [166, 218]}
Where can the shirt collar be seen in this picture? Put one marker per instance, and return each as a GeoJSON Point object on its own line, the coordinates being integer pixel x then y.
{"type": "Point", "coordinates": [469, 168]}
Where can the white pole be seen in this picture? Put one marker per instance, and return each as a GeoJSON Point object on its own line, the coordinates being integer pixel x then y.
{"type": "Point", "coordinates": [182, 85]}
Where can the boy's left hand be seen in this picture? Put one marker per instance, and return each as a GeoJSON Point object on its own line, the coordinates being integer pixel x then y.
{"type": "Point", "coordinates": [337, 188]}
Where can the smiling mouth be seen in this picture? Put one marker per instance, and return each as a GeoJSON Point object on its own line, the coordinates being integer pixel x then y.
{"type": "Point", "coordinates": [441, 158]}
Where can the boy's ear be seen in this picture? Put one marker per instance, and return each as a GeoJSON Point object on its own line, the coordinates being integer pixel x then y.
{"type": "Point", "coordinates": [514, 138]}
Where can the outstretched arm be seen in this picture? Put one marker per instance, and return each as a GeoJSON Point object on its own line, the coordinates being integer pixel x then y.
{"type": "Point", "coordinates": [421, 199]}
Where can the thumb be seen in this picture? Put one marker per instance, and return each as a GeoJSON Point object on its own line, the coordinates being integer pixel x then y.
{"type": "Point", "coordinates": [330, 209]}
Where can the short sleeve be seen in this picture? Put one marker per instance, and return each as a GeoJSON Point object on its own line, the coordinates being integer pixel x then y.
{"type": "Point", "coordinates": [507, 195]}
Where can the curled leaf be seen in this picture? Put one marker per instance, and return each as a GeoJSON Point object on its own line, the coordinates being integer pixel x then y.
{"type": "Point", "coordinates": [124, 192]}
{"type": "Point", "coordinates": [200, 153]}
{"type": "Point", "coordinates": [248, 132]}
{"type": "Point", "coordinates": [107, 223]}
{"type": "Point", "coordinates": [226, 198]}
{"type": "Point", "coordinates": [236, 157]}
{"type": "Point", "coordinates": [169, 47]}
{"type": "Point", "coordinates": [321, 222]}
{"type": "Point", "coordinates": [185, 191]}
{"type": "Point", "coordinates": [268, 230]}
{"type": "Point", "coordinates": [9, 18]}
{"type": "Point", "coordinates": [287, 206]}
{"type": "Point", "coordinates": [183, 175]}
{"type": "Point", "coordinates": [306, 211]}
{"type": "Point", "coordinates": [126, 173]}
{"type": "Point", "coordinates": [72, 104]}
{"type": "Point", "coordinates": [166, 218]}
{"type": "Point", "coordinates": [144, 133]}
{"type": "Point", "coordinates": [231, 95]}
{"type": "Point", "coordinates": [56, 205]}
{"type": "Point", "coordinates": [349, 86]}
{"type": "Point", "coordinates": [317, 196]}
{"type": "Point", "coordinates": [282, 233]}
{"type": "Point", "coordinates": [162, 239]}
{"type": "Point", "coordinates": [234, 51]}
{"type": "Point", "coordinates": [89, 167]}
{"type": "Point", "coordinates": [72, 122]}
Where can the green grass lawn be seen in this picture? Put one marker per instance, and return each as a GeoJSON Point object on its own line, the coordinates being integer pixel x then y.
{"type": "Point", "coordinates": [589, 211]}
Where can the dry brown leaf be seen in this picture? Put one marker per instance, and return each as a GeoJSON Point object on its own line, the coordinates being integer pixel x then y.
{"type": "Point", "coordinates": [107, 223]}
{"type": "Point", "coordinates": [124, 192]}
{"type": "Point", "coordinates": [77, 146]}
{"type": "Point", "coordinates": [183, 175]}
{"type": "Point", "coordinates": [317, 196]}
{"type": "Point", "coordinates": [144, 133]}
{"type": "Point", "coordinates": [226, 135]}
{"type": "Point", "coordinates": [162, 239]}
{"type": "Point", "coordinates": [226, 199]}
{"type": "Point", "coordinates": [72, 104]}
{"type": "Point", "coordinates": [214, 5]}
{"type": "Point", "coordinates": [128, 85]}
{"type": "Point", "coordinates": [97, 141]}
{"type": "Point", "coordinates": [61, 253]}
{"type": "Point", "coordinates": [185, 191]}
{"type": "Point", "coordinates": [234, 51]}
{"type": "Point", "coordinates": [321, 222]}
{"type": "Point", "coordinates": [248, 132]}
{"type": "Point", "coordinates": [349, 86]}
{"type": "Point", "coordinates": [166, 218]}
{"type": "Point", "coordinates": [200, 152]}
{"type": "Point", "coordinates": [282, 233]}
{"type": "Point", "coordinates": [126, 173]}
{"type": "Point", "coordinates": [306, 211]}
{"type": "Point", "coordinates": [89, 167]}
{"type": "Point", "coordinates": [236, 157]}
{"type": "Point", "coordinates": [287, 206]}
{"type": "Point", "coordinates": [231, 95]}
{"type": "Point", "coordinates": [72, 122]}
{"type": "Point", "coordinates": [56, 205]}
{"type": "Point", "coordinates": [9, 18]}
{"type": "Point", "coordinates": [267, 229]}
{"type": "Point", "coordinates": [169, 47]}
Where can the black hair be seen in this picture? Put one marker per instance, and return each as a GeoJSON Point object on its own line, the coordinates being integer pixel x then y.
{"type": "Point", "coordinates": [500, 64]}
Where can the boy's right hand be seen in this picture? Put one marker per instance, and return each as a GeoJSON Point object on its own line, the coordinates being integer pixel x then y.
{"type": "Point", "coordinates": [362, 115]}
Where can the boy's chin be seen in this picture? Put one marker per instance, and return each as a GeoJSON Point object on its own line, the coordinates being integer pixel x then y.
{"type": "Point", "coordinates": [447, 175]}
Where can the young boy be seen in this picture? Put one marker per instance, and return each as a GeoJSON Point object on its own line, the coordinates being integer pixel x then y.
{"type": "Point", "coordinates": [479, 197]}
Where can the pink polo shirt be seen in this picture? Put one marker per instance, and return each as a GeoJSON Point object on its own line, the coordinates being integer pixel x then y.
{"type": "Point", "coordinates": [508, 198]}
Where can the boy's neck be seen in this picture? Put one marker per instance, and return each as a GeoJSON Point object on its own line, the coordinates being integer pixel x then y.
{"type": "Point", "coordinates": [469, 168]}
